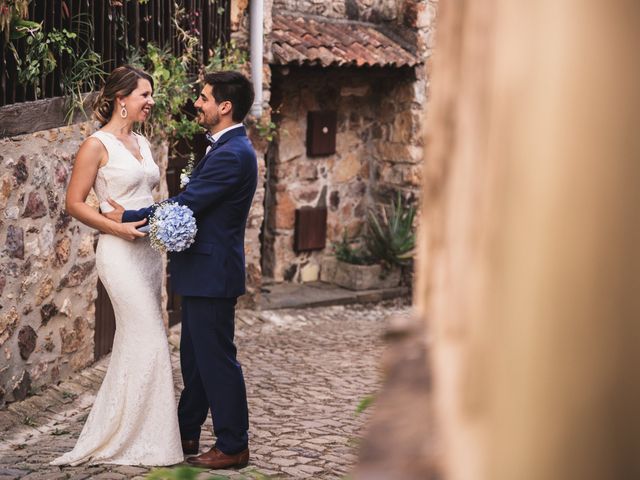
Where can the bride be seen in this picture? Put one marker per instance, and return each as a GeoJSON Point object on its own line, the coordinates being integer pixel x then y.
{"type": "Point", "coordinates": [133, 420]}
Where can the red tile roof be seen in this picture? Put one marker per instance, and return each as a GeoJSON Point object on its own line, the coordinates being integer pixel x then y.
{"type": "Point", "coordinates": [319, 41]}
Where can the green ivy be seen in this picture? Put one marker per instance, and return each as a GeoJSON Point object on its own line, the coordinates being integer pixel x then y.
{"type": "Point", "coordinates": [174, 84]}
{"type": "Point", "coordinates": [42, 51]}
{"type": "Point", "coordinates": [173, 89]}
{"type": "Point", "coordinates": [227, 57]}
{"type": "Point", "coordinates": [267, 129]}
{"type": "Point", "coordinates": [12, 12]}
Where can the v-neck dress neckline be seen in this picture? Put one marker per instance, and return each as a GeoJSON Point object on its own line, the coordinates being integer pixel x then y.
{"type": "Point", "coordinates": [138, 160]}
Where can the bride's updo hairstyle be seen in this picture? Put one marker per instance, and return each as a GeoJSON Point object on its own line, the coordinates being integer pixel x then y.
{"type": "Point", "coordinates": [120, 83]}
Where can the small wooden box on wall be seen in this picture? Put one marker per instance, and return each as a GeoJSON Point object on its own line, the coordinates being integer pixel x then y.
{"type": "Point", "coordinates": [321, 133]}
{"type": "Point", "coordinates": [310, 229]}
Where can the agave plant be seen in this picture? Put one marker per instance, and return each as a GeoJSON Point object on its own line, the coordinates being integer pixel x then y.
{"type": "Point", "coordinates": [390, 236]}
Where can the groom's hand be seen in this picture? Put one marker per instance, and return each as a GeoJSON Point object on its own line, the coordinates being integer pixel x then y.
{"type": "Point", "coordinates": [129, 230]}
{"type": "Point", "coordinates": [116, 213]}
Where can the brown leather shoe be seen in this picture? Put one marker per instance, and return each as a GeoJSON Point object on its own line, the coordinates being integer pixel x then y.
{"type": "Point", "coordinates": [190, 447]}
{"type": "Point", "coordinates": [215, 459]}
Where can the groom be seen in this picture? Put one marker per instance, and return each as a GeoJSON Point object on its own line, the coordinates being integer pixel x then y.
{"type": "Point", "coordinates": [210, 275]}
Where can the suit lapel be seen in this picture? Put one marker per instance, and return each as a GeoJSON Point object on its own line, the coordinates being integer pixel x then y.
{"type": "Point", "coordinates": [236, 132]}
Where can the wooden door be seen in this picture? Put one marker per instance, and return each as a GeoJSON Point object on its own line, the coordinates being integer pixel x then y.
{"type": "Point", "coordinates": [105, 324]}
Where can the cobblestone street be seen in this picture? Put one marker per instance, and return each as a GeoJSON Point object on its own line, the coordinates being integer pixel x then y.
{"type": "Point", "coordinates": [307, 370]}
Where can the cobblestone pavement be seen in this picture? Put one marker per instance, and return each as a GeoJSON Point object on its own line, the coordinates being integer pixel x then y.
{"type": "Point", "coordinates": [307, 370]}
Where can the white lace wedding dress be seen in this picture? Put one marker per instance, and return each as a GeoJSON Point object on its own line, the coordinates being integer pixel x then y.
{"type": "Point", "coordinates": [133, 420]}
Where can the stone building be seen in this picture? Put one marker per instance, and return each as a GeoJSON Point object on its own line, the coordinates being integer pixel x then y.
{"type": "Point", "coordinates": [355, 72]}
{"type": "Point", "coordinates": [359, 65]}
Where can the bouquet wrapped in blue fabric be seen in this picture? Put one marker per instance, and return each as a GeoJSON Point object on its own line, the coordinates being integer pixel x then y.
{"type": "Point", "coordinates": [172, 227]}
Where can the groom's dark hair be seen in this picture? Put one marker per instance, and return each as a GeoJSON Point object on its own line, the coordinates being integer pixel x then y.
{"type": "Point", "coordinates": [232, 87]}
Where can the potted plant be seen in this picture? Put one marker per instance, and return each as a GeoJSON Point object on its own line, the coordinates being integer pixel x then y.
{"type": "Point", "coordinates": [391, 237]}
{"type": "Point", "coordinates": [376, 260]}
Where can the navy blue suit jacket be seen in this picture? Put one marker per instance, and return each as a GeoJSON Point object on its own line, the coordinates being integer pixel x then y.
{"type": "Point", "coordinates": [219, 193]}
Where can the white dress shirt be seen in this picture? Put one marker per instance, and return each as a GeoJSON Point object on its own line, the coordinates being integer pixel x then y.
{"type": "Point", "coordinates": [216, 136]}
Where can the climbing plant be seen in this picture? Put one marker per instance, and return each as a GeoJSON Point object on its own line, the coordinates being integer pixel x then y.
{"type": "Point", "coordinates": [48, 57]}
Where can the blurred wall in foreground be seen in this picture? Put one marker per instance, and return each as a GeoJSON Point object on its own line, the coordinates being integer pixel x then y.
{"type": "Point", "coordinates": [529, 273]}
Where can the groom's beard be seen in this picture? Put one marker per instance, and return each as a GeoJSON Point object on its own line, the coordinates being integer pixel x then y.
{"type": "Point", "coordinates": [208, 122]}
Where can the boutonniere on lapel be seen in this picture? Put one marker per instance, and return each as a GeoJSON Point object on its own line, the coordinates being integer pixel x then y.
{"type": "Point", "coordinates": [185, 173]}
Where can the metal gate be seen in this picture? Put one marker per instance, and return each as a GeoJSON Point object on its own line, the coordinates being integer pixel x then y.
{"type": "Point", "coordinates": [110, 29]}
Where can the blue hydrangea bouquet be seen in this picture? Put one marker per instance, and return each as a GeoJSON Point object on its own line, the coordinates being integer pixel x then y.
{"type": "Point", "coordinates": [172, 227]}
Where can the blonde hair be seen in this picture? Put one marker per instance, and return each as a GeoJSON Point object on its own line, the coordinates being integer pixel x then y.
{"type": "Point", "coordinates": [120, 83]}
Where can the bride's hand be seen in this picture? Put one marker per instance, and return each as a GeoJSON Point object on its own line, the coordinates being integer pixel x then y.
{"type": "Point", "coordinates": [128, 230]}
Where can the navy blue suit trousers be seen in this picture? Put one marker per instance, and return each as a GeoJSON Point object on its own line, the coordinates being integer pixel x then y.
{"type": "Point", "coordinates": [213, 378]}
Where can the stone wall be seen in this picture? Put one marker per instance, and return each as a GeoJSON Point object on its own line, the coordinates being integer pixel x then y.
{"type": "Point", "coordinates": [47, 275]}
{"type": "Point", "coordinates": [373, 157]}
{"type": "Point", "coordinates": [396, 148]}
{"type": "Point", "coordinates": [400, 152]}
{"type": "Point", "coordinates": [374, 11]}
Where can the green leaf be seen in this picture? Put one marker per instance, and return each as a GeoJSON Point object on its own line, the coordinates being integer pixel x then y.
{"type": "Point", "coordinates": [23, 27]}
{"type": "Point", "coordinates": [364, 404]}
{"type": "Point", "coordinates": [176, 473]}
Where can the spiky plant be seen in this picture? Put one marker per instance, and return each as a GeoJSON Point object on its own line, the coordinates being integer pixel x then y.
{"type": "Point", "coordinates": [390, 236]}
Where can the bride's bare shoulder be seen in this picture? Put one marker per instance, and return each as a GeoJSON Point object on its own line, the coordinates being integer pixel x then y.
{"type": "Point", "coordinates": [92, 149]}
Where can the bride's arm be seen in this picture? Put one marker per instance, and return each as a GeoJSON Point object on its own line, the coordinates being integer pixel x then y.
{"type": "Point", "coordinates": [91, 156]}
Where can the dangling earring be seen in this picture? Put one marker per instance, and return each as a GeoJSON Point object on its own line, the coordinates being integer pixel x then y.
{"type": "Point", "coordinates": [123, 112]}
